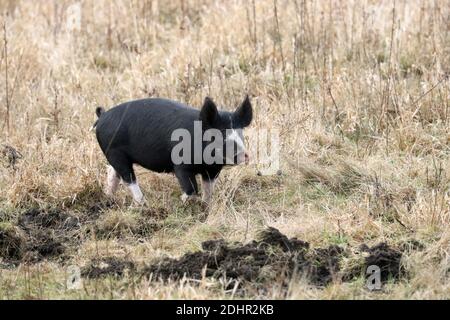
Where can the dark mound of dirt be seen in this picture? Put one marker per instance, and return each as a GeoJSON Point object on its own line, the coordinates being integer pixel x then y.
{"type": "Point", "coordinates": [39, 234]}
{"type": "Point", "coordinates": [273, 256]}
{"type": "Point", "coordinates": [51, 219]}
{"type": "Point", "coordinates": [47, 232]}
{"type": "Point", "coordinates": [43, 244]}
{"type": "Point", "coordinates": [12, 244]}
{"type": "Point", "coordinates": [388, 259]}
{"type": "Point", "coordinates": [276, 258]}
{"type": "Point", "coordinates": [273, 237]}
{"type": "Point", "coordinates": [109, 266]}
{"type": "Point", "coordinates": [323, 265]}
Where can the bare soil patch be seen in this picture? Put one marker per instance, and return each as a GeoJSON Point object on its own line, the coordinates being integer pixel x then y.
{"type": "Point", "coordinates": [38, 234]}
{"type": "Point", "coordinates": [12, 242]}
{"type": "Point", "coordinates": [387, 258]}
{"type": "Point", "coordinates": [273, 257]}
{"type": "Point", "coordinates": [108, 266]}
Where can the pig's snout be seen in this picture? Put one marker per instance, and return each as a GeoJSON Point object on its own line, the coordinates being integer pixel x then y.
{"type": "Point", "coordinates": [243, 157]}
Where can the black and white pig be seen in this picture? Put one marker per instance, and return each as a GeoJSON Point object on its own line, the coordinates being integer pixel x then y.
{"type": "Point", "coordinates": [147, 132]}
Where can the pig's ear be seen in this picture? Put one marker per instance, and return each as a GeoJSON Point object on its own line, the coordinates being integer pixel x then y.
{"type": "Point", "coordinates": [244, 113]}
{"type": "Point", "coordinates": [209, 113]}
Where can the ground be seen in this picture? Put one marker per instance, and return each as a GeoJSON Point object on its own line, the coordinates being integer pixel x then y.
{"type": "Point", "coordinates": [358, 91]}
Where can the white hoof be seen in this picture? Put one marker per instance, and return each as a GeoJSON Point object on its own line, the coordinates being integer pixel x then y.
{"type": "Point", "coordinates": [189, 198]}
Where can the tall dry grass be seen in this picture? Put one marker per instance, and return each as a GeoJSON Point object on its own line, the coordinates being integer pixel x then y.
{"type": "Point", "coordinates": [358, 89]}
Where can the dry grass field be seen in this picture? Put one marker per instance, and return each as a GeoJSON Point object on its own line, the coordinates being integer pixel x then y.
{"type": "Point", "coordinates": [359, 92]}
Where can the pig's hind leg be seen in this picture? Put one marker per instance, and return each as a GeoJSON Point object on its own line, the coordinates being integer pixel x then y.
{"type": "Point", "coordinates": [112, 181]}
{"type": "Point", "coordinates": [124, 168]}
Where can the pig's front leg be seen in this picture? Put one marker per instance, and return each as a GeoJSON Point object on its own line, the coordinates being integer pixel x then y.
{"type": "Point", "coordinates": [188, 184]}
{"type": "Point", "coordinates": [136, 192]}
